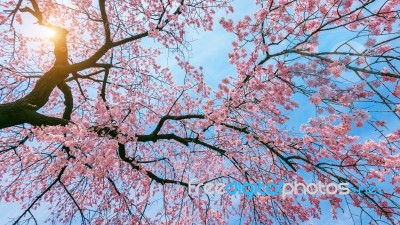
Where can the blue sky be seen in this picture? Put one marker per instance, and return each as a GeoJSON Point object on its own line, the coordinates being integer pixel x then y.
{"type": "Point", "coordinates": [210, 50]}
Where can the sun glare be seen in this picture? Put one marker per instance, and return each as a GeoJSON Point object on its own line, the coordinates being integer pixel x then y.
{"type": "Point", "coordinates": [48, 32]}
{"type": "Point", "coordinates": [43, 32]}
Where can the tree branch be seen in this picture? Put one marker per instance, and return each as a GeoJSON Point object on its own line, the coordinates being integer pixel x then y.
{"type": "Point", "coordinates": [40, 196]}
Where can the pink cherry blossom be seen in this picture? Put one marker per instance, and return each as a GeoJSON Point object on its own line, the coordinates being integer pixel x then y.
{"type": "Point", "coordinates": [108, 120]}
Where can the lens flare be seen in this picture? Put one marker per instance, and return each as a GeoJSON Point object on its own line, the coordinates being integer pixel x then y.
{"type": "Point", "coordinates": [49, 33]}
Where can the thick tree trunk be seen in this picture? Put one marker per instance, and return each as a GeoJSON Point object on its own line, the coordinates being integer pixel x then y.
{"type": "Point", "coordinates": [24, 110]}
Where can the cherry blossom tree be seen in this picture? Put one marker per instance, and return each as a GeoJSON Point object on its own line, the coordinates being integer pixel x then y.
{"type": "Point", "coordinates": [96, 130]}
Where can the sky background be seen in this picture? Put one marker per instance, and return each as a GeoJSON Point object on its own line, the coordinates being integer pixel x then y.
{"type": "Point", "coordinates": [210, 50]}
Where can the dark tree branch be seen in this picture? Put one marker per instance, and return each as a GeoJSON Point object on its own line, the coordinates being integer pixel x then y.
{"type": "Point", "coordinates": [169, 117]}
{"type": "Point", "coordinates": [122, 155]}
{"type": "Point", "coordinates": [68, 100]}
{"type": "Point", "coordinates": [40, 196]}
{"type": "Point", "coordinates": [14, 12]}
{"type": "Point", "coordinates": [39, 96]}
{"type": "Point", "coordinates": [104, 19]}
{"type": "Point", "coordinates": [17, 113]}
{"type": "Point", "coordinates": [24, 109]}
